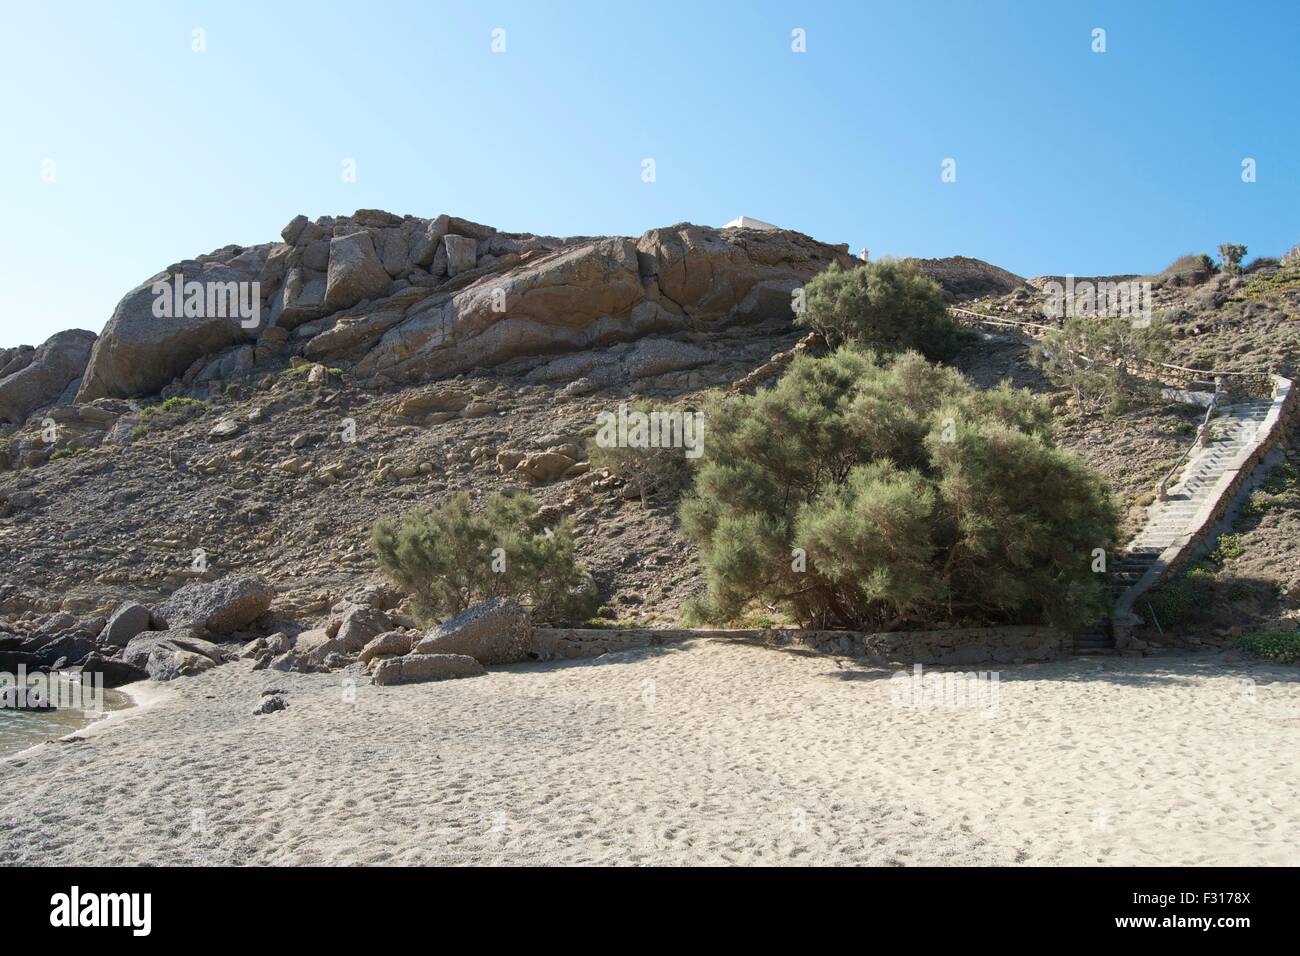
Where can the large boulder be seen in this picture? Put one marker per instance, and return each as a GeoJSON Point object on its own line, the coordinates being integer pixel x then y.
{"type": "Point", "coordinates": [565, 301]}
{"type": "Point", "coordinates": [462, 254]}
{"type": "Point", "coordinates": [115, 672]}
{"type": "Point", "coordinates": [357, 624]}
{"type": "Point", "coordinates": [67, 648]}
{"type": "Point", "coordinates": [388, 644]}
{"type": "Point", "coordinates": [125, 623]}
{"type": "Point", "coordinates": [139, 352]}
{"type": "Point", "coordinates": [217, 606]}
{"type": "Point", "coordinates": [176, 652]}
{"type": "Point", "coordinates": [417, 668]}
{"type": "Point", "coordinates": [498, 631]}
{"type": "Point", "coordinates": [355, 271]}
{"type": "Point", "coordinates": [44, 375]}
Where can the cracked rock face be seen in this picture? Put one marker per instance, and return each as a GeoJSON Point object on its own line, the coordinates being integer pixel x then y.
{"type": "Point", "coordinates": [396, 300]}
{"type": "Point", "coordinates": [139, 352]}
{"type": "Point", "coordinates": [32, 378]}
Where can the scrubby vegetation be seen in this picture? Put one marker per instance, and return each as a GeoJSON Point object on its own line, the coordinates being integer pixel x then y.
{"type": "Point", "coordinates": [1230, 255]}
{"type": "Point", "coordinates": [1282, 646]}
{"type": "Point", "coordinates": [887, 306]}
{"type": "Point", "coordinates": [1097, 358]}
{"type": "Point", "coordinates": [652, 472]}
{"type": "Point", "coordinates": [1178, 600]}
{"type": "Point", "coordinates": [880, 494]}
{"type": "Point", "coordinates": [172, 404]}
{"type": "Point", "coordinates": [451, 557]}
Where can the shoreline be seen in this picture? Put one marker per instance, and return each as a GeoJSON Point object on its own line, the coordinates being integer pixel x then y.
{"type": "Point", "coordinates": [142, 694]}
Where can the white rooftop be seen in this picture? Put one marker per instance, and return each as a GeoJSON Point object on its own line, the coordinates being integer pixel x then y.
{"type": "Point", "coordinates": [748, 222]}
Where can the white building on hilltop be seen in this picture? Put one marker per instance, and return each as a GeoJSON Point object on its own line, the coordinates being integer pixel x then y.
{"type": "Point", "coordinates": [747, 222]}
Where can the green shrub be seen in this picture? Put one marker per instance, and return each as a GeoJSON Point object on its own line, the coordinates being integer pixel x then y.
{"type": "Point", "coordinates": [447, 558]}
{"type": "Point", "coordinates": [912, 496]}
{"type": "Point", "coordinates": [1231, 254]}
{"type": "Point", "coordinates": [887, 306]}
{"type": "Point", "coordinates": [1178, 600]}
{"type": "Point", "coordinates": [1098, 358]}
{"type": "Point", "coordinates": [172, 404]}
{"type": "Point", "coordinates": [1230, 546]}
{"type": "Point", "coordinates": [1282, 646]}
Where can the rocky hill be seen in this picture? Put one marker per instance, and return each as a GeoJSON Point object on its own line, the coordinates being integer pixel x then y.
{"type": "Point", "coordinates": [962, 277]}
{"type": "Point", "coordinates": [396, 360]}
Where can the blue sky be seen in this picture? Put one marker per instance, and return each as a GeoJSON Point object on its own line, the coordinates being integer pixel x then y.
{"type": "Point", "coordinates": [1067, 160]}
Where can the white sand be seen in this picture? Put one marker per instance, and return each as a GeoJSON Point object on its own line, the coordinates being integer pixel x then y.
{"type": "Point", "coordinates": [705, 753]}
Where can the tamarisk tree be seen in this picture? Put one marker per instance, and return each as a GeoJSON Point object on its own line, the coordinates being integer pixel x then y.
{"type": "Point", "coordinates": [879, 494]}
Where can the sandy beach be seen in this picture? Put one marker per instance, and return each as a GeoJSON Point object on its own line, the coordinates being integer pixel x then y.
{"type": "Point", "coordinates": [703, 753]}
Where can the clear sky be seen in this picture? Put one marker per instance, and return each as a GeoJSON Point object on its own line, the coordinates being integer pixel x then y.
{"type": "Point", "coordinates": [1067, 160]}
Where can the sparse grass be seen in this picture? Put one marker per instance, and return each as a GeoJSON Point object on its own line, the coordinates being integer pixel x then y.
{"type": "Point", "coordinates": [302, 371]}
{"type": "Point", "coordinates": [173, 403]}
{"type": "Point", "coordinates": [1282, 646]}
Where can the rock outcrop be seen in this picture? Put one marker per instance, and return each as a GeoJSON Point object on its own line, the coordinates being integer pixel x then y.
{"type": "Point", "coordinates": [41, 376]}
{"type": "Point", "coordinates": [962, 277]}
{"type": "Point", "coordinates": [218, 607]}
{"type": "Point", "coordinates": [139, 352]}
{"type": "Point", "coordinates": [404, 299]}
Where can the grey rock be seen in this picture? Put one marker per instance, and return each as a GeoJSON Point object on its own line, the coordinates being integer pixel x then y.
{"type": "Point", "coordinates": [355, 271]}
{"type": "Point", "coordinates": [125, 623]}
{"type": "Point", "coordinates": [462, 254]}
{"type": "Point", "coordinates": [60, 361]}
{"type": "Point", "coordinates": [139, 353]}
{"type": "Point", "coordinates": [418, 668]}
{"type": "Point", "coordinates": [115, 672]}
{"type": "Point", "coordinates": [388, 644]}
{"type": "Point", "coordinates": [218, 606]}
{"type": "Point", "coordinates": [177, 652]}
{"type": "Point", "coordinates": [497, 631]}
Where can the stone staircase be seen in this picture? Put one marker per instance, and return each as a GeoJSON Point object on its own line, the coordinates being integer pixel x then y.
{"type": "Point", "coordinates": [1230, 448]}
{"type": "Point", "coordinates": [1232, 431]}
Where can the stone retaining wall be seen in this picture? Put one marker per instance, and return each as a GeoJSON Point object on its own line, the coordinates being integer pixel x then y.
{"type": "Point", "coordinates": [984, 645]}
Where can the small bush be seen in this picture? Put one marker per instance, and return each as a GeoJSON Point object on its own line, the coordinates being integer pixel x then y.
{"type": "Point", "coordinates": [1282, 646]}
{"type": "Point", "coordinates": [654, 472]}
{"type": "Point", "coordinates": [172, 404]}
{"type": "Point", "coordinates": [886, 306]}
{"type": "Point", "coordinates": [1230, 546]}
{"type": "Point", "coordinates": [1175, 602]}
{"type": "Point", "coordinates": [1231, 254]}
{"type": "Point", "coordinates": [1099, 359]}
{"type": "Point", "coordinates": [451, 557]}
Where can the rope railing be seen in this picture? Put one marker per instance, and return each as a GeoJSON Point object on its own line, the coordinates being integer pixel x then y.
{"type": "Point", "coordinates": [1210, 374]}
